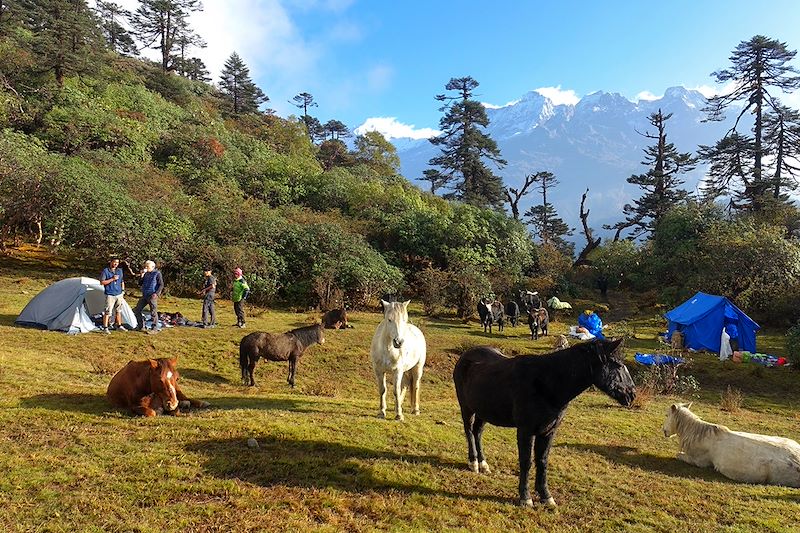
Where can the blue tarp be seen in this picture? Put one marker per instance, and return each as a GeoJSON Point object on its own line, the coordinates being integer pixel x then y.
{"type": "Point", "coordinates": [650, 359]}
{"type": "Point", "coordinates": [701, 319]}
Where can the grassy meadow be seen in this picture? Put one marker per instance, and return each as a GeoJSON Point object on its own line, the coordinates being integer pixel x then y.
{"type": "Point", "coordinates": [70, 462]}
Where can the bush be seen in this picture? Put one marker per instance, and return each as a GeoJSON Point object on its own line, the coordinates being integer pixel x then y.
{"type": "Point", "coordinates": [665, 379]}
{"type": "Point", "coordinates": [431, 287]}
{"type": "Point", "coordinates": [793, 345]}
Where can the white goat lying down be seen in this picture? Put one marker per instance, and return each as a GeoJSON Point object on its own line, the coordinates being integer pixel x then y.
{"type": "Point", "coordinates": [746, 457]}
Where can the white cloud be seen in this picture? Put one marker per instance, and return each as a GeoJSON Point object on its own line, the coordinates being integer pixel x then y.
{"type": "Point", "coordinates": [487, 105]}
{"type": "Point", "coordinates": [559, 96]}
{"type": "Point", "coordinates": [647, 95]}
{"type": "Point", "coordinates": [708, 91]}
{"type": "Point", "coordinates": [390, 128]}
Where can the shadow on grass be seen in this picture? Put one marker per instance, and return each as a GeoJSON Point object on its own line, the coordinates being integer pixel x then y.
{"type": "Point", "coordinates": [317, 464]}
{"type": "Point", "coordinates": [95, 404]}
{"type": "Point", "coordinates": [204, 376]}
{"type": "Point", "coordinates": [634, 458]}
{"type": "Point", "coordinates": [8, 320]}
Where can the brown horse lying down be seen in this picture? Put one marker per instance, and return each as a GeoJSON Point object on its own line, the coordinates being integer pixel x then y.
{"type": "Point", "coordinates": [335, 319]}
{"type": "Point", "coordinates": [149, 388]}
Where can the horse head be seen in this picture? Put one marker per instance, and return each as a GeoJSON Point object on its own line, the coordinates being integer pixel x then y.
{"type": "Point", "coordinates": [164, 381]}
{"type": "Point", "coordinates": [320, 331]}
{"type": "Point", "coordinates": [395, 314]}
{"type": "Point", "coordinates": [613, 377]}
{"type": "Point", "coordinates": [671, 423]}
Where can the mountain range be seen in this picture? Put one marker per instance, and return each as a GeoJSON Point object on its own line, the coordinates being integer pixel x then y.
{"type": "Point", "coordinates": [596, 143]}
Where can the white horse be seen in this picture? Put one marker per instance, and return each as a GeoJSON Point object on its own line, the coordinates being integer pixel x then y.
{"type": "Point", "coordinates": [398, 348]}
{"type": "Point", "coordinates": [746, 457]}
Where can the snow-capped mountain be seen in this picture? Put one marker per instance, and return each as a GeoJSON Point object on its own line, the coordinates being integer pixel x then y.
{"type": "Point", "coordinates": [595, 144]}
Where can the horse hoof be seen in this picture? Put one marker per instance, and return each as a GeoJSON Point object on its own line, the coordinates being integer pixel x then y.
{"type": "Point", "coordinates": [526, 503]}
{"type": "Point", "coordinates": [549, 502]}
{"type": "Point", "coordinates": [401, 418]}
{"type": "Point", "coordinates": [415, 411]}
{"type": "Point", "coordinates": [473, 465]}
{"type": "Point", "coordinates": [382, 415]}
{"type": "Point", "coordinates": [484, 468]}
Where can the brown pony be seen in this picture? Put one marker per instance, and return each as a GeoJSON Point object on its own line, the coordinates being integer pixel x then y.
{"type": "Point", "coordinates": [336, 319]}
{"type": "Point", "coordinates": [149, 388]}
{"type": "Point", "coordinates": [287, 346]}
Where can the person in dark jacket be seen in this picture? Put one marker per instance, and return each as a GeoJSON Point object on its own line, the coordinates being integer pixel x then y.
{"type": "Point", "coordinates": [152, 286]}
{"type": "Point", "coordinates": [208, 292]}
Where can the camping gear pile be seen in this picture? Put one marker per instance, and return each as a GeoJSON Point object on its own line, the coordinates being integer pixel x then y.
{"type": "Point", "coordinates": [763, 359]}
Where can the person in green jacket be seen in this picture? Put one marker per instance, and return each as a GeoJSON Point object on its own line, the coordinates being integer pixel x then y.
{"type": "Point", "coordinates": [241, 290]}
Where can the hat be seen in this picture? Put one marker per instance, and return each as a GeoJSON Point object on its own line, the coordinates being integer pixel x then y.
{"type": "Point", "coordinates": [207, 268]}
{"type": "Point", "coordinates": [237, 271]}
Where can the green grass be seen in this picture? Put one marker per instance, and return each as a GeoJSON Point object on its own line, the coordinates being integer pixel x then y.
{"type": "Point", "coordinates": [70, 462]}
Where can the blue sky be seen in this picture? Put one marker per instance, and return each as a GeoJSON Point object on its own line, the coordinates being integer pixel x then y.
{"type": "Point", "coordinates": [364, 59]}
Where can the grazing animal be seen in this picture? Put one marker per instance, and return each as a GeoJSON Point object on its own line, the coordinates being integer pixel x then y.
{"type": "Point", "coordinates": [336, 319]}
{"type": "Point", "coordinates": [746, 457]}
{"type": "Point", "coordinates": [484, 313]}
{"type": "Point", "coordinates": [531, 394]}
{"type": "Point", "coordinates": [497, 315]}
{"type": "Point", "coordinates": [150, 388]}
{"type": "Point", "coordinates": [398, 348]}
{"type": "Point", "coordinates": [512, 312]}
{"type": "Point", "coordinates": [287, 346]}
{"type": "Point", "coordinates": [560, 343]}
{"type": "Point", "coordinates": [538, 319]}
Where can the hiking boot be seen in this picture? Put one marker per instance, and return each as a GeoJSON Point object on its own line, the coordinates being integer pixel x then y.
{"type": "Point", "coordinates": [121, 327]}
{"type": "Point", "coordinates": [105, 330]}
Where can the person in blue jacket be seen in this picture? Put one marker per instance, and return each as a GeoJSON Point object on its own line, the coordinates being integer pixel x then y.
{"type": "Point", "coordinates": [112, 280]}
{"type": "Point", "coordinates": [152, 287]}
{"type": "Point", "coordinates": [590, 321]}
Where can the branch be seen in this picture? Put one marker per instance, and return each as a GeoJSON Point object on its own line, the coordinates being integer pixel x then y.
{"type": "Point", "coordinates": [591, 242]}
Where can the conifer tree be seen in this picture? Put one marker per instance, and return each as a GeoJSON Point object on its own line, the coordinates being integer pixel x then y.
{"type": "Point", "coordinates": [465, 146]}
{"type": "Point", "coordinates": [111, 17]}
{"type": "Point", "coordinates": [196, 70]}
{"type": "Point", "coordinates": [336, 129]}
{"type": "Point", "coordinates": [544, 219]}
{"type": "Point", "coordinates": [242, 94]}
{"type": "Point", "coordinates": [782, 134]}
{"type": "Point", "coordinates": [304, 101]}
{"type": "Point", "coordinates": [759, 68]}
{"type": "Point", "coordinates": [66, 39]}
{"type": "Point", "coordinates": [660, 184]}
{"type": "Point", "coordinates": [159, 24]}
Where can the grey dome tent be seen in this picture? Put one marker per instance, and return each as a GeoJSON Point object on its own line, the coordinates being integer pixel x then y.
{"type": "Point", "coordinates": [68, 305]}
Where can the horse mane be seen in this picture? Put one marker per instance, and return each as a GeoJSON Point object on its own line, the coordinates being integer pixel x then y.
{"type": "Point", "coordinates": [307, 335]}
{"type": "Point", "coordinates": [692, 429]}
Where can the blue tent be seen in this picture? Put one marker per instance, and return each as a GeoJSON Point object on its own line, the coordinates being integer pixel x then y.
{"type": "Point", "coordinates": [701, 319]}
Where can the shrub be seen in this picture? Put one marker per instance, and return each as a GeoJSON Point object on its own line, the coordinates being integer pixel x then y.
{"type": "Point", "coordinates": [731, 400]}
{"type": "Point", "coordinates": [793, 345]}
{"type": "Point", "coordinates": [665, 379]}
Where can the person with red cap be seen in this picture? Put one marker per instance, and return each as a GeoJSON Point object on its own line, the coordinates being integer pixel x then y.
{"type": "Point", "coordinates": [241, 290]}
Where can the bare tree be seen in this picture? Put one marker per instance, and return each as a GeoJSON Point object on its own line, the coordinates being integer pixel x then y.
{"type": "Point", "coordinates": [591, 242]}
{"type": "Point", "coordinates": [513, 196]}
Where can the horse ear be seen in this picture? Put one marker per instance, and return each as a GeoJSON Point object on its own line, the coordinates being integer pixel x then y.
{"type": "Point", "coordinates": [689, 405]}
{"type": "Point", "coordinates": [674, 407]}
{"type": "Point", "coordinates": [405, 305]}
{"type": "Point", "coordinates": [174, 360]}
{"type": "Point", "coordinates": [384, 304]}
{"type": "Point", "coordinates": [153, 363]}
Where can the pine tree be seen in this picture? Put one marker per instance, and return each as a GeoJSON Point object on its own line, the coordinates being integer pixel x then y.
{"type": "Point", "coordinates": [758, 66]}
{"type": "Point", "coordinates": [336, 129]}
{"type": "Point", "coordinates": [196, 70]}
{"type": "Point", "coordinates": [118, 38]}
{"type": "Point", "coordinates": [660, 184]}
{"type": "Point", "coordinates": [242, 94]}
{"type": "Point", "coordinates": [159, 24]}
{"type": "Point", "coordinates": [782, 134]}
{"type": "Point", "coordinates": [465, 146]}
{"type": "Point", "coordinates": [544, 219]}
{"type": "Point", "coordinates": [66, 39]}
{"type": "Point", "coordinates": [304, 101]}
{"type": "Point", "coordinates": [185, 40]}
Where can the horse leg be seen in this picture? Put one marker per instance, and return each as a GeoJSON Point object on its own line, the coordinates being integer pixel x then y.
{"type": "Point", "coordinates": [416, 381]}
{"type": "Point", "coordinates": [398, 394]}
{"type": "Point", "coordinates": [292, 368]}
{"type": "Point", "coordinates": [185, 402]}
{"type": "Point", "coordinates": [541, 450]}
{"type": "Point", "coordinates": [381, 379]}
{"type": "Point", "coordinates": [472, 454]}
{"type": "Point", "coordinates": [477, 430]}
{"type": "Point", "coordinates": [251, 366]}
{"type": "Point", "coordinates": [524, 447]}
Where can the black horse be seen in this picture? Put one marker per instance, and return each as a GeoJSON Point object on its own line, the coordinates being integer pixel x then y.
{"type": "Point", "coordinates": [287, 346]}
{"type": "Point", "coordinates": [531, 393]}
{"type": "Point", "coordinates": [538, 320]}
{"type": "Point", "coordinates": [512, 312]}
